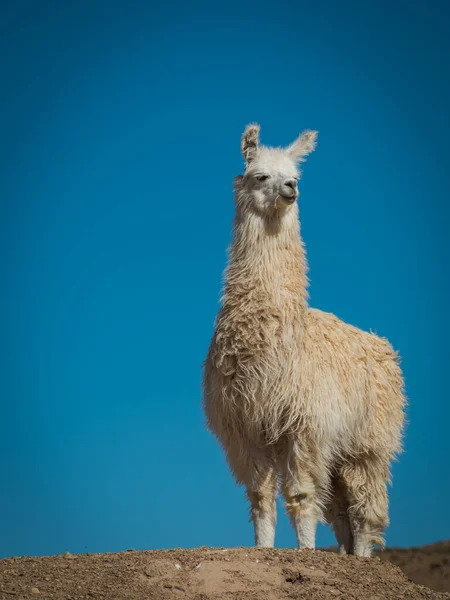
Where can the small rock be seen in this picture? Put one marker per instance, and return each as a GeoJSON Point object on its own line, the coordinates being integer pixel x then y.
{"type": "Point", "coordinates": [329, 581]}
{"type": "Point", "coordinates": [177, 566]}
{"type": "Point", "coordinates": [197, 566]}
{"type": "Point", "coordinates": [68, 555]}
{"type": "Point", "coordinates": [34, 590]}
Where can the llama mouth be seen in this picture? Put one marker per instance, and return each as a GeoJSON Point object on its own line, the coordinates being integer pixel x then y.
{"type": "Point", "coordinates": [284, 199]}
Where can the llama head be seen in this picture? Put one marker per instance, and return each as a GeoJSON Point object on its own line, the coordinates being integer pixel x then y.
{"type": "Point", "coordinates": [271, 174]}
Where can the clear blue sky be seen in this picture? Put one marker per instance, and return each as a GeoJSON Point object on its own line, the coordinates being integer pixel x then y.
{"type": "Point", "coordinates": [120, 125]}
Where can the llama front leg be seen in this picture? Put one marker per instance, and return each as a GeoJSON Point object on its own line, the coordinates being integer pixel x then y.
{"type": "Point", "coordinates": [263, 514]}
{"type": "Point", "coordinates": [258, 473]}
{"type": "Point", "coordinates": [301, 506]}
{"type": "Point", "coordinates": [301, 489]}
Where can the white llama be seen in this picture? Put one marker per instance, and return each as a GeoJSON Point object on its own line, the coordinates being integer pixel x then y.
{"type": "Point", "coordinates": [293, 393]}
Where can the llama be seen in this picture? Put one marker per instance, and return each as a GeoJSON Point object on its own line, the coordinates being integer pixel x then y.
{"type": "Point", "coordinates": [293, 394]}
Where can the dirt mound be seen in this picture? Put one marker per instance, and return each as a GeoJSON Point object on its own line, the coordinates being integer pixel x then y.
{"type": "Point", "coordinates": [427, 565]}
{"type": "Point", "coordinates": [207, 574]}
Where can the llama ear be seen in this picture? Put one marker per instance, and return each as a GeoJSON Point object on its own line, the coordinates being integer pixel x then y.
{"type": "Point", "coordinates": [250, 141]}
{"type": "Point", "coordinates": [303, 145]}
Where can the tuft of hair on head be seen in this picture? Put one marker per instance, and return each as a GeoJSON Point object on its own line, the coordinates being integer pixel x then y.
{"type": "Point", "coordinates": [303, 145]}
{"type": "Point", "coordinates": [250, 141]}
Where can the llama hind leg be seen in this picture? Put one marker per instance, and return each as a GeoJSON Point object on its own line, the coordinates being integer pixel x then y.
{"type": "Point", "coordinates": [343, 532]}
{"type": "Point", "coordinates": [368, 505]}
{"type": "Point", "coordinates": [337, 514]}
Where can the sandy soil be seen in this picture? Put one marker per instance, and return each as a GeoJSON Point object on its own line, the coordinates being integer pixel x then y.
{"type": "Point", "coordinates": [208, 574]}
{"type": "Point", "coordinates": [427, 565]}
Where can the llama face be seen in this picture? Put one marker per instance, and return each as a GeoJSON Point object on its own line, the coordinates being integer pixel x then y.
{"type": "Point", "coordinates": [271, 175]}
{"type": "Point", "coordinates": [271, 180]}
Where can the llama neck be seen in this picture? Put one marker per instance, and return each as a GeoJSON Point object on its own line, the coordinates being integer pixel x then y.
{"type": "Point", "coordinates": [267, 255]}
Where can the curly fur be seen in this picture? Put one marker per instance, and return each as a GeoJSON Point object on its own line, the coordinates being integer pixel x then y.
{"type": "Point", "coordinates": [294, 393]}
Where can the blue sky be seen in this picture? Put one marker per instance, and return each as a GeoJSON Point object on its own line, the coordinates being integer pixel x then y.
{"type": "Point", "coordinates": [120, 125]}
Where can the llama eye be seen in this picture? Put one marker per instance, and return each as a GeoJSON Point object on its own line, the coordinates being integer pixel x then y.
{"type": "Point", "coordinates": [262, 177]}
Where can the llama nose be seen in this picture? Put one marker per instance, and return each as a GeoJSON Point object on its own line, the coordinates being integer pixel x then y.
{"type": "Point", "coordinates": [289, 188]}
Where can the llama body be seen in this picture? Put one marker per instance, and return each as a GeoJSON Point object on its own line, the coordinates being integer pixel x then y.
{"type": "Point", "coordinates": [292, 393]}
